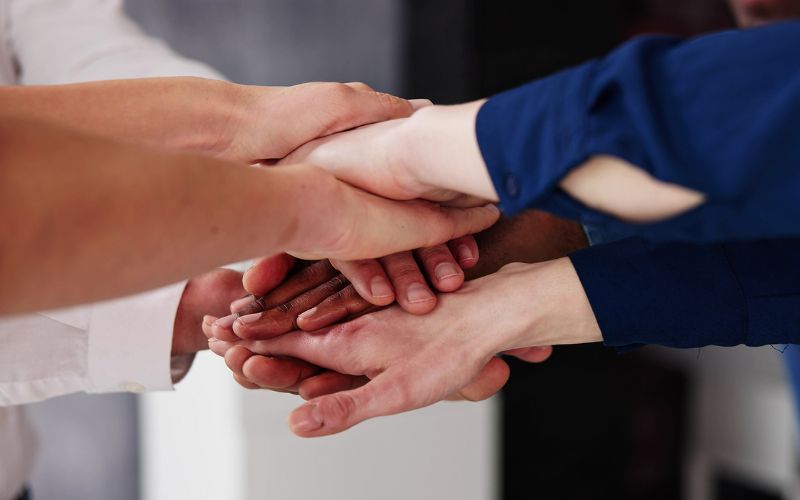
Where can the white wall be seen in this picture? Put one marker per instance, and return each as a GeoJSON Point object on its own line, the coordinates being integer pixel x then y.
{"type": "Point", "coordinates": [213, 440]}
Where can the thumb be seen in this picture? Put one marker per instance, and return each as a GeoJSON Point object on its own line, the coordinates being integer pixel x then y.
{"type": "Point", "coordinates": [386, 394]}
{"type": "Point", "coordinates": [267, 273]}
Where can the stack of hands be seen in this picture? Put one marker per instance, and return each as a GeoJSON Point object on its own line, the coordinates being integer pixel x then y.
{"type": "Point", "coordinates": [342, 176]}
{"type": "Point", "coordinates": [327, 329]}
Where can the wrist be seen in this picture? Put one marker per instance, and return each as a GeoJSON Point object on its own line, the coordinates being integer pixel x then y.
{"type": "Point", "coordinates": [550, 306]}
{"type": "Point", "coordinates": [228, 113]}
{"type": "Point", "coordinates": [439, 148]}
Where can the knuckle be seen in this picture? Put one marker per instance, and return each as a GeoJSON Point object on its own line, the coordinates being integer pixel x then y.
{"type": "Point", "coordinates": [406, 271]}
{"type": "Point", "coordinates": [438, 252]}
{"type": "Point", "coordinates": [338, 409]}
{"type": "Point", "coordinates": [285, 308]}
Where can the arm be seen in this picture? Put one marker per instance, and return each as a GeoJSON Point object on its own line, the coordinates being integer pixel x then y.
{"type": "Point", "coordinates": [120, 204]}
{"type": "Point", "coordinates": [683, 295]}
{"type": "Point", "coordinates": [238, 122]}
{"type": "Point", "coordinates": [675, 295]}
{"type": "Point", "coordinates": [118, 345]}
{"type": "Point", "coordinates": [658, 128]}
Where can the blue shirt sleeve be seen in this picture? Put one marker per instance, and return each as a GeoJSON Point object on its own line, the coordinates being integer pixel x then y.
{"type": "Point", "coordinates": [689, 295]}
{"type": "Point", "coordinates": [719, 114]}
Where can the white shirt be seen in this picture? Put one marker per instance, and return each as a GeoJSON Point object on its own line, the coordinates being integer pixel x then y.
{"type": "Point", "coordinates": [121, 345]}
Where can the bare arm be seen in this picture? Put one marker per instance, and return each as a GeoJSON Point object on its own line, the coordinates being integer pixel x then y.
{"type": "Point", "coordinates": [435, 154]}
{"type": "Point", "coordinates": [238, 122]}
{"type": "Point", "coordinates": [86, 218]}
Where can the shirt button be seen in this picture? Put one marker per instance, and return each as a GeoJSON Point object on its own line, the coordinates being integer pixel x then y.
{"type": "Point", "coordinates": [133, 387]}
{"type": "Point", "coordinates": [512, 186]}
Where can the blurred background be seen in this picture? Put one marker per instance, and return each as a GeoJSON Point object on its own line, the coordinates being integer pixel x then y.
{"type": "Point", "coordinates": [588, 424]}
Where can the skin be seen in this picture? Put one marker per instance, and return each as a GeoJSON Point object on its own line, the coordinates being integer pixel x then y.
{"type": "Point", "coordinates": [86, 208]}
{"type": "Point", "coordinates": [241, 123]}
{"type": "Point", "coordinates": [752, 13]}
{"type": "Point", "coordinates": [303, 301]}
{"type": "Point", "coordinates": [414, 158]}
{"type": "Point", "coordinates": [414, 361]}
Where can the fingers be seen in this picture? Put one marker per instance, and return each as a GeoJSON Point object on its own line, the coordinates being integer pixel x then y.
{"type": "Point", "coordinates": [386, 227]}
{"type": "Point", "coordinates": [368, 279]}
{"type": "Point", "coordinates": [441, 268]}
{"type": "Point", "coordinates": [267, 273]}
{"type": "Point", "coordinates": [465, 250]}
{"type": "Point", "coordinates": [266, 372]}
{"type": "Point", "coordinates": [491, 379]}
{"type": "Point", "coordinates": [283, 318]}
{"type": "Point", "coordinates": [361, 105]}
{"type": "Point", "coordinates": [413, 293]}
{"type": "Point", "coordinates": [303, 280]}
{"type": "Point", "coordinates": [531, 354]}
{"type": "Point", "coordinates": [337, 412]}
{"type": "Point", "coordinates": [344, 303]}
{"type": "Point", "coordinates": [281, 306]}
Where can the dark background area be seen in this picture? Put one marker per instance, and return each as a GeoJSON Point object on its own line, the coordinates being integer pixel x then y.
{"type": "Point", "coordinates": [589, 423]}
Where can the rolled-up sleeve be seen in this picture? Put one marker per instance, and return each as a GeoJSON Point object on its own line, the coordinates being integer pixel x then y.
{"type": "Point", "coordinates": [718, 114]}
{"type": "Point", "coordinates": [122, 345]}
{"type": "Point", "coordinates": [687, 295]}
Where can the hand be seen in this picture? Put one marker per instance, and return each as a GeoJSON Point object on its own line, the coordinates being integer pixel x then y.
{"type": "Point", "coordinates": [415, 361]}
{"type": "Point", "coordinates": [395, 277]}
{"type": "Point", "coordinates": [318, 286]}
{"type": "Point", "coordinates": [256, 128]}
{"type": "Point", "coordinates": [278, 311]}
{"type": "Point", "coordinates": [432, 155]}
{"type": "Point", "coordinates": [345, 223]}
{"type": "Point", "coordinates": [210, 292]}
{"type": "Point", "coordinates": [305, 295]}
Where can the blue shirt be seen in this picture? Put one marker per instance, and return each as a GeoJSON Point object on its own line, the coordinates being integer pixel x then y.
{"type": "Point", "coordinates": [691, 295]}
{"type": "Point", "coordinates": [719, 114]}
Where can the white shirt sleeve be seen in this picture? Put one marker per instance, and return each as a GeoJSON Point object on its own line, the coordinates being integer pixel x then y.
{"type": "Point", "coordinates": [65, 41]}
{"type": "Point", "coordinates": [114, 346]}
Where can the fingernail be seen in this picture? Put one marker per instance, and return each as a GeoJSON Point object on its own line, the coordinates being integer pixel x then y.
{"type": "Point", "coordinates": [250, 318]}
{"type": "Point", "coordinates": [464, 254]}
{"type": "Point", "coordinates": [227, 321]}
{"type": "Point", "coordinates": [446, 270]}
{"type": "Point", "coordinates": [492, 207]}
{"type": "Point", "coordinates": [208, 320]}
{"type": "Point", "coordinates": [239, 304]}
{"type": "Point", "coordinates": [418, 293]}
{"type": "Point", "coordinates": [420, 103]}
{"type": "Point", "coordinates": [380, 288]}
{"type": "Point", "coordinates": [306, 419]}
{"type": "Point", "coordinates": [308, 313]}
{"type": "Point", "coordinates": [217, 347]}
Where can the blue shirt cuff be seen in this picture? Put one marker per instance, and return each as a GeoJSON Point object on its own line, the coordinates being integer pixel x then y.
{"type": "Point", "coordinates": [531, 136]}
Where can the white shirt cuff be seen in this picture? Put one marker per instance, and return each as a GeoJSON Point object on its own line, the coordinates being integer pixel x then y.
{"type": "Point", "coordinates": [130, 341]}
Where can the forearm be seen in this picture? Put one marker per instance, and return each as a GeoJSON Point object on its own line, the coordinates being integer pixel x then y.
{"type": "Point", "coordinates": [684, 295]}
{"type": "Point", "coordinates": [531, 236]}
{"type": "Point", "coordinates": [191, 114]}
{"type": "Point", "coordinates": [119, 219]}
